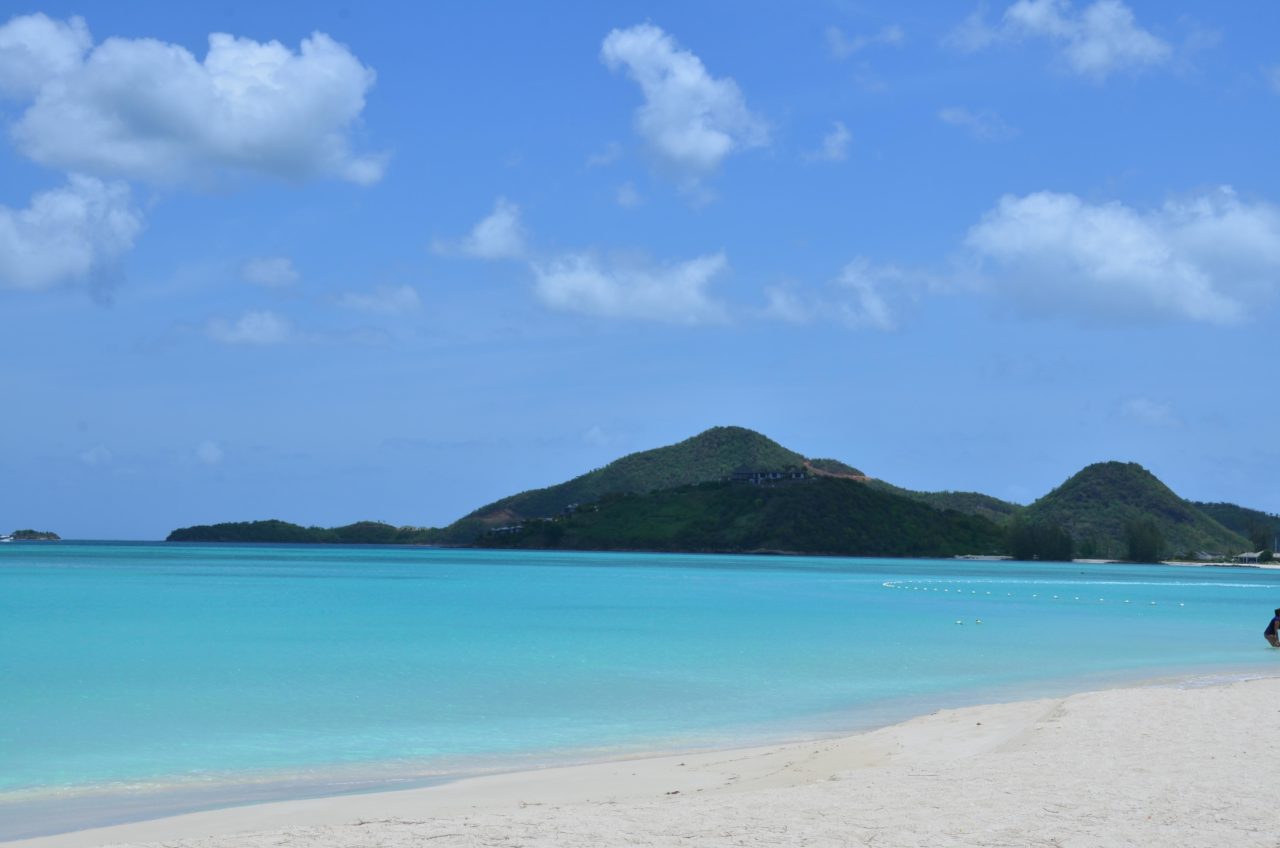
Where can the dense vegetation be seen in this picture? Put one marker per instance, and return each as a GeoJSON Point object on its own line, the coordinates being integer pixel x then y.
{"type": "Point", "coordinates": [824, 515]}
{"type": "Point", "coordinates": [972, 503]}
{"type": "Point", "coordinates": [1144, 540]}
{"type": "Point", "coordinates": [709, 456]}
{"type": "Point", "coordinates": [274, 530]}
{"type": "Point", "coordinates": [1098, 505]}
{"type": "Point", "coordinates": [1031, 540]}
{"type": "Point", "coordinates": [1260, 528]}
{"type": "Point", "coordinates": [35, 536]}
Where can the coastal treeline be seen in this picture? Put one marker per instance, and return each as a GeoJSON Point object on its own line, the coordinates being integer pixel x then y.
{"type": "Point", "coordinates": [1032, 540]}
{"type": "Point", "coordinates": [283, 532]}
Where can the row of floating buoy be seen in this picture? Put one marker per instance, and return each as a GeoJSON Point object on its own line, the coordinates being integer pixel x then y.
{"type": "Point", "coordinates": [1036, 595]}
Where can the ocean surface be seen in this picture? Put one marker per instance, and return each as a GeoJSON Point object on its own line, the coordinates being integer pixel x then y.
{"type": "Point", "coordinates": [236, 671]}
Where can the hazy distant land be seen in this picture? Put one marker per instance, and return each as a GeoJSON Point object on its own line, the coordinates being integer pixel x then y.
{"type": "Point", "coordinates": [35, 536]}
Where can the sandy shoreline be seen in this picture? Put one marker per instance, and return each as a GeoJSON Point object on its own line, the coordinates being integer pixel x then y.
{"type": "Point", "coordinates": [1176, 764]}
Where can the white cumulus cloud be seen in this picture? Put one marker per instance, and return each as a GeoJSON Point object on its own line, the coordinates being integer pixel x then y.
{"type": "Point", "coordinates": [675, 294]}
{"type": "Point", "coordinates": [252, 328]}
{"type": "Point", "coordinates": [383, 300]}
{"type": "Point", "coordinates": [499, 235]}
{"type": "Point", "coordinates": [269, 271]}
{"type": "Point", "coordinates": [150, 110]}
{"type": "Point", "coordinates": [1095, 41]}
{"type": "Point", "coordinates": [1210, 257]}
{"type": "Point", "coordinates": [66, 234]}
{"type": "Point", "coordinates": [689, 118]}
{"type": "Point", "coordinates": [35, 49]}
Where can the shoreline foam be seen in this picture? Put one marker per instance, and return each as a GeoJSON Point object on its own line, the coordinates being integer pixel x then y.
{"type": "Point", "coordinates": [1174, 762]}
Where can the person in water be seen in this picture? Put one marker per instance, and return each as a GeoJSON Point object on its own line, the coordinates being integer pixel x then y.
{"type": "Point", "coordinates": [1272, 633]}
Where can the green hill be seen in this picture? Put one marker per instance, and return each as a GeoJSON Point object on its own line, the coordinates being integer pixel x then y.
{"type": "Point", "coordinates": [1097, 505]}
{"type": "Point", "coordinates": [709, 456]}
{"type": "Point", "coordinates": [1260, 528]}
{"type": "Point", "coordinates": [820, 515]}
{"type": "Point", "coordinates": [970, 503]}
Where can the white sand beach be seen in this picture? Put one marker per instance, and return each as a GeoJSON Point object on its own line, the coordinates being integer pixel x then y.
{"type": "Point", "coordinates": [1177, 764]}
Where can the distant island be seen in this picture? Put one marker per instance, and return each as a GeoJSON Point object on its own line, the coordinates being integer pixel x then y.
{"type": "Point", "coordinates": [35, 536]}
{"type": "Point", "coordinates": [274, 530]}
{"type": "Point", "coordinates": [730, 489]}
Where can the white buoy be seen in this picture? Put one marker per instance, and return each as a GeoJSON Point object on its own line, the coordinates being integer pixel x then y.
{"type": "Point", "coordinates": [958, 621]}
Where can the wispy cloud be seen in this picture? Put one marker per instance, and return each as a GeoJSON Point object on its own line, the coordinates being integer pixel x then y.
{"type": "Point", "coordinates": [984, 125]}
{"type": "Point", "coordinates": [260, 328]}
{"type": "Point", "coordinates": [269, 271]}
{"type": "Point", "coordinates": [835, 144]}
{"type": "Point", "coordinates": [209, 453]}
{"type": "Point", "coordinates": [1271, 74]}
{"type": "Point", "coordinates": [1095, 41]}
{"type": "Point", "coordinates": [383, 300]}
{"type": "Point", "coordinates": [499, 235]}
{"type": "Point", "coordinates": [859, 297]}
{"type": "Point", "coordinates": [609, 154]}
{"type": "Point", "coordinates": [843, 46]}
{"type": "Point", "coordinates": [96, 455]}
{"type": "Point", "coordinates": [628, 197]}
{"type": "Point", "coordinates": [1150, 412]}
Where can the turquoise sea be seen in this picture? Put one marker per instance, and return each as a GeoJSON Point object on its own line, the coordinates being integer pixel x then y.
{"type": "Point", "coordinates": [190, 674]}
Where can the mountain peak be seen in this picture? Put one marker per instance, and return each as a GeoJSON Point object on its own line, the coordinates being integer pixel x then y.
{"type": "Point", "coordinates": [1097, 503]}
{"type": "Point", "coordinates": [713, 454]}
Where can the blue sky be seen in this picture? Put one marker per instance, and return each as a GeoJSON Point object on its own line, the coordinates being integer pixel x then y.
{"type": "Point", "coordinates": [328, 263]}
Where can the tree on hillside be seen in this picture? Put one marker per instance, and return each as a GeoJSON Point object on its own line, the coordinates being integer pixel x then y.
{"type": "Point", "coordinates": [1146, 544]}
{"type": "Point", "coordinates": [1261, 537]}
{"type": "Point", "coordinates": [1028, 540]}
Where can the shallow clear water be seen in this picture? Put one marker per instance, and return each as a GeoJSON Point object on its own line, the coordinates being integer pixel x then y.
{"type": "Point", "coordinates": [152, 663]}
